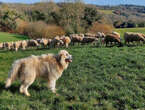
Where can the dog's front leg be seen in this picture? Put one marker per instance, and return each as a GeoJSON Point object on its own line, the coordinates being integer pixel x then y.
{"type": "Point", "coordinates": [51, 85]}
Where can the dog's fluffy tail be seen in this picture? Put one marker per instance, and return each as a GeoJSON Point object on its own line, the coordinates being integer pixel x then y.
{"type": "Point", "coordinates": [13, 73]}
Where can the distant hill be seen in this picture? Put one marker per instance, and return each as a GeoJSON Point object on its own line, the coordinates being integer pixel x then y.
{"type": "Point", "coordinates": [72, 17]}
{"type": "Point", "coordinates": [123, 13]}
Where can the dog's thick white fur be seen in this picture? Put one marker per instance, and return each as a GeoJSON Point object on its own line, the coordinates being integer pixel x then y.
{"type": "Point", "coordinates": [48, 66]}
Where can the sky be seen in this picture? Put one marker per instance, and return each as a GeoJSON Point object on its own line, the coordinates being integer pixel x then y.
{"type": "Point", "coordinates": [97, 2]}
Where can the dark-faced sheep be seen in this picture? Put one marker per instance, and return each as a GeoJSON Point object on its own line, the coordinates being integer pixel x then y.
{"type": "Point", "coordinates": [32, 43]}
{"type": "Point", "coordinates": [112, 38]}
{"type": "Point", "coordinates": [24, 44]}
{"type": "Point", "coordinates": [45, 42]}
{"type": "Point", "coordinates": [100, 35]}
{"type": "Point", "coordinates": [9, 45]}
{"type": "Point", "coordinates": [76, 38]}
{"type": "Point", "coordinates": [56, 42]}
{"type": "Point", "coordinates": [133, 37]}
{"type": "Point", "coordinates": [87, 40]}
{"type": "Point", "coordinates": [17, 45]}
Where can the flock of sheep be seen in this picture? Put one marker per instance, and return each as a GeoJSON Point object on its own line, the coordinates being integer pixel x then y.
{"type": "Point", "coordinates": [111, 38]}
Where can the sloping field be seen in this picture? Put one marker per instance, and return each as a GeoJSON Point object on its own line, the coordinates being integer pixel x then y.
{"type": "Point", "coordinates": [97, 79]}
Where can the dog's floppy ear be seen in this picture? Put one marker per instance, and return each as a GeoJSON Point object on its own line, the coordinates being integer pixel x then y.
{"type": "Point", "coordinates": [58, 57]}
{"type": "Point", "coordinates": [60, 54]}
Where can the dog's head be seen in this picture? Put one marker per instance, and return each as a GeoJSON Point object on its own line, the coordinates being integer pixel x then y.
{"type": "Point", "coordinates": [65, 56]}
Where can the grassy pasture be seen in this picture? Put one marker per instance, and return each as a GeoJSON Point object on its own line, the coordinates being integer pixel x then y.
{"type": "Point", "coordinates": [6, 37]}
{"type": "Point", "coordinates": [97, 79]}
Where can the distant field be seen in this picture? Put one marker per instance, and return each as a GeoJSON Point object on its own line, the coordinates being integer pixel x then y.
{"type": "Point", "coordinates": [106, 11]}
{"type": "Point", "coordinates": [123, 30]}
{"type": "Point", "coordinates": [5, 37]}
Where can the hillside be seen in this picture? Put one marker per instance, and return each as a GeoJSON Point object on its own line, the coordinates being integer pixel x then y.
{"type": "Point", "coordinates": [97, 79]}
{"type": "Point", "coordinates": [122, 14]}
{"type": "Point", "coordinates": [78, 17]}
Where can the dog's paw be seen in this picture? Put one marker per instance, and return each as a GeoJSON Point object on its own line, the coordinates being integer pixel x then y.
{"type": "Point", "coordinates": [27, 94]}
{"type": "Point", "coordinates": [54, 90]}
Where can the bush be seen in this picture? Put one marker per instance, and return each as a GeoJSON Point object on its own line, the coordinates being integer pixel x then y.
{"type": "Point", "coordinates": [8, 20]}
{"type": "Point", "coordinates": [20, 26]}
{"type": "Point", "coordinates": [98, 27]}
{"type": "Point", "coordinates": [41, 30]}
{"type": "Point", "coordinates": [53, 30]}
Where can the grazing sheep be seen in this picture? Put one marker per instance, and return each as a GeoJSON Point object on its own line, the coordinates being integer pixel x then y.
{"type": "Point", "coordinates": [44, 42]}
{"type": "Point", "coordinates": [66, 41]}
{"type": "Point", "coordinates": [90, 35]}
{"type": "Point", "coordinates": [32, 43]}
{"type": "Point", "coordinates": [133, 37]}
{"type": "Point", "coordinates": [110, 38]}
{"type": "Point", "coordinates": [24, 44]}
{"type": "Point", "coordinates": [49, 42]}
{"type": "Point", "coordinates": [89, 40]}
{"type": "Point", "coordinates": [116, 33]}
{"type": "Point", "coordinates": [1, 45]}
{"type": "Point", "coordinates": [100, 35]}
{"type": "Point", "coordinates": [143, 35]}
{"type": "Point", "coordinates": [75, 38]}
{"type": "Point", "coordinates": [9, 45]}
{"type": "Point", "coordinates": [17, 45]}
{"type": "Point", "coordinates": [38, 40]}
{"type": "Point", "coordinates": [56, 42]}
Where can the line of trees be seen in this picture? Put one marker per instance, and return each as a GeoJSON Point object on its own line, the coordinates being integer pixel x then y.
{"type": "Point", "coordinates": [71, 16]}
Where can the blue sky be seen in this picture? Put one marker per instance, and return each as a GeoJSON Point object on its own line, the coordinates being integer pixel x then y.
{"type": "Point", "coordinates": [98, 2]}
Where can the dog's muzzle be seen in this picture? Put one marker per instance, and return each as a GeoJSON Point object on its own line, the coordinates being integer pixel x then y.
{"type": "Point", "coordinates": [69, 59]}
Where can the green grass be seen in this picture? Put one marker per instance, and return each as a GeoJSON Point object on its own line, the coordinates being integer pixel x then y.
{"type": "Point", "coordinates": [6, 37]}
{"type": "Point", "coordinates": [106, 11]}
{"type": "Point", "coordinates": [97, 79]}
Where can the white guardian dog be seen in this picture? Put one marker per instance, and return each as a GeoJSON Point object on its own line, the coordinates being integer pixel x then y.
{"type": "Point", "coordinates": [47, 66]}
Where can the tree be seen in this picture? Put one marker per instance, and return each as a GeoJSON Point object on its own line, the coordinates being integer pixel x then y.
{"type": "Point", "coordinates": [8, 20]}
{"type": "Point", "coordinates": [71, 14]}
{"type": "Point", "coordinates": [91, 15]}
